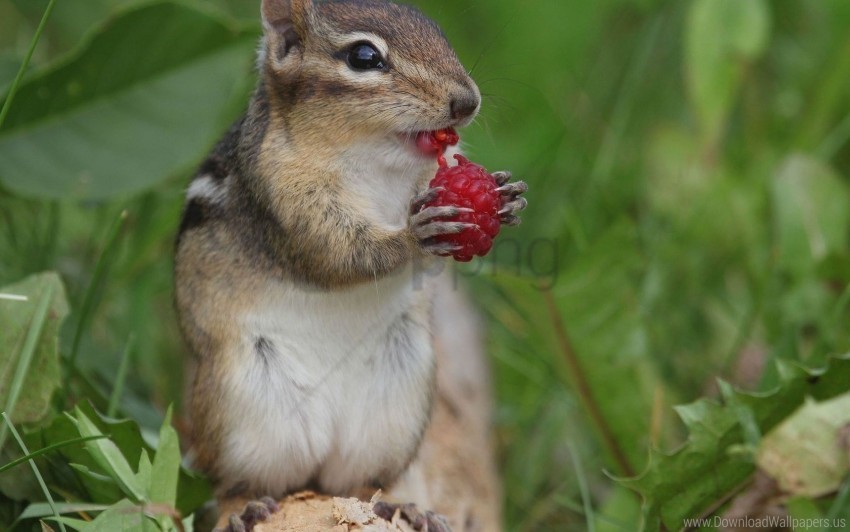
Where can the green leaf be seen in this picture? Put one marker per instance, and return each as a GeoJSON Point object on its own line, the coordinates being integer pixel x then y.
{"type": "Point", "coordinates": [42, 509]}
{"type": "Point", "coordinates": [193, 490]}
{"type": "Point", "coordinates": [812, 213]}
{"type": "Point", "coordinates": [144, 473]}
{"type": "Point", "coordinates": [804, 454]}
{"type": "Point", "coordinates": [689, 481]}
{"type": "Point", "coordinates": [720, 36]}
{"type": "Point", "coordinates": [123, 515]}
{"type": "Point", "coordinates": [109, 457]}
{"type": "Point", "coordinates": [143, 98]}
{"type": "Point", "coordinates": [77, 524]}
{"type": "Point", "coordinates": [86, 472]}
{"type": "Point", "coordinates": [166, 465]}
{"type": "Point", "coordinates": [45, 450]}
{"type": "Point", "coordinates": [33, 387]}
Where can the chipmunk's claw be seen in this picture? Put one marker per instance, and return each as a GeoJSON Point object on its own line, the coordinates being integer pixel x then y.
{"type": "Point", "coordinates": [420, 200]}
{"type": "Point", "coordinates": [425, 522]}
{"type": "Point", "coordinates": [511, 190]}
{"type": "Point", "coordinates": [429, 213]}
{"type": "Point", "coordinates": [443, 249]}
{"type": "Point", "coordinates": [254, 512]}
{"type": "Point", "coordinates": [501, 177]}
{"type": "Point", "coordinates": [510, 219]}
{"type": "Point", "coordinates": [431, 229]}
{"type": "Point", "coordinates": [514, 206]}
{"type": "Point", "coordinates": [510, 193]}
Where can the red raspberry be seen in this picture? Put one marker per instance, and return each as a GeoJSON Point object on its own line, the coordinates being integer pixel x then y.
{"type": "Point", "coordinates": [468, 185]}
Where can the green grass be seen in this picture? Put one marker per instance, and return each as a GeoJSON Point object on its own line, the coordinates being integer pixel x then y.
{"type": "Point", "coordinates": [689, 220]}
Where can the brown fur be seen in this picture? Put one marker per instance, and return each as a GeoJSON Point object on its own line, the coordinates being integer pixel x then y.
{"type": "Point", "coordinates": [284, 213]}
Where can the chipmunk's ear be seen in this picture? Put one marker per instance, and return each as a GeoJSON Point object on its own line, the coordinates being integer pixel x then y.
{"type": "Point", "coordinates": [286, 24]}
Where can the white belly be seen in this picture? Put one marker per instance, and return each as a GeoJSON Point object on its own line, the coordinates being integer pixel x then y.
{"type": "Point", "coordinates": [335, 388]}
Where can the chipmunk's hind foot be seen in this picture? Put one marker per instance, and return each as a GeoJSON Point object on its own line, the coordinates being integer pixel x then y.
{"type": "Point", "coordinates": [254, 512]}
{"type": "Point", "coordinates": [419, 521]}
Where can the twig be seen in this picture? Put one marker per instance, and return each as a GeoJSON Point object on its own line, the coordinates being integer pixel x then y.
{"type": "Point", "coordinates": [583, 389]}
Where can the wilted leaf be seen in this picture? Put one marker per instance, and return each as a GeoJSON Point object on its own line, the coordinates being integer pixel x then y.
{"type": "Point", "coordinates": [804, 454]}
{"type": "Point", "coordinates": [141, 100]}
{"type": "Point", "coordinates": [16, 320]}
{"type": "Point", "coordinates": [704, 470]}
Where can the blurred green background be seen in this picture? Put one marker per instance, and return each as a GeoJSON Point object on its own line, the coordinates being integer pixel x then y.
{"type": "Point", "coordinates": [689, 219]}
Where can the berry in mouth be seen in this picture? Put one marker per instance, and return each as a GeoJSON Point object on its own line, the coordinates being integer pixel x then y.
{"type": "Point", "coordinates": [436, 142]}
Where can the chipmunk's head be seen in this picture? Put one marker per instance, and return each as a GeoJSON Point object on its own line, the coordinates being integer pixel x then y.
{"type": "Point", "coordinates": [339, 72]}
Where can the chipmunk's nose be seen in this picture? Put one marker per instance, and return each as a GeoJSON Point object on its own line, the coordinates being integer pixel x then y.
{"type": "Point", "coordinates": [464, 105]}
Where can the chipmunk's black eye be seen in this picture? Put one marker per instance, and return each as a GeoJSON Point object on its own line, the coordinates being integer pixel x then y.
{"type": "Point", "coordinates": [364, 56]}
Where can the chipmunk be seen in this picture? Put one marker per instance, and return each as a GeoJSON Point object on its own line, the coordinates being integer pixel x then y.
{"type": "Point", "coordinates": [294, 259]}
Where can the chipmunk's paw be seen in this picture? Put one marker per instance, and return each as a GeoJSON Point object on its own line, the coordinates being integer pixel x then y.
{"type": "Point", "coordinates": [425, 228]}
{"type": "Point", "coordinates": [254, 512]}
{"type": "Point", "coordinates": [425, 522]}
{"type": "Point", "coordinates": [510, 193]}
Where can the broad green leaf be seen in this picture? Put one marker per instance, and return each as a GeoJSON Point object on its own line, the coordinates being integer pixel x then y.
{"type": "Point", "coordinates": [812, 214]}
{"type": "Point", "coordinates": [804, 454]}
{"type": "Point", "coordinates": [705, 469]}
{"type": "Point", "coordinates": [720, 36]}
{"type": "Point", "coordinates": [109, 457]}
{"type": "Point", "coordinates": [42, 377]}
{"type": "Point", "coordinates": [142, 99]}
{"type": "Point", "coordinates": [166, 465]}
{"type": "Point", "coordinates": [9, 65]}
{"type": "Point", "coordinates": [71, 19]}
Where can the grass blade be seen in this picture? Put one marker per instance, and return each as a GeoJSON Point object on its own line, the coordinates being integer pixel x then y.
{"type": "Point", "coordinates": [35, 471]}
{"type": "Point", "coordinates": [121, 378]}
{"type": "Point", "coordinates": [840, 504]}
{"type": "Point", "coordinates": [589, 515]}
{"type": "Point", "coordinates": [39, 509]}
{"type": "Point", "coordinates": [20, 75]}
{"type": "Point", "coordinates": [583, 389]}
{"type": "Point", "coordinates": [46, 450]}
{"type": "Point", "coordinates": [97, 277]}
